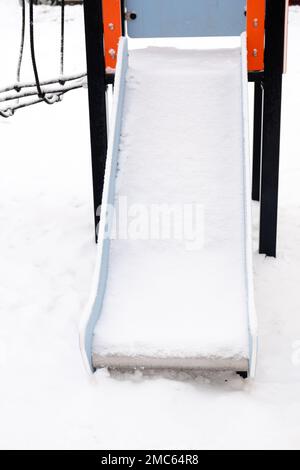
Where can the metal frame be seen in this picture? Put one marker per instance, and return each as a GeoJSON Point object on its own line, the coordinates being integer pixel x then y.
{"type": "Point", "coordinates": [257, 139]}
{"type": "Point", "coordinates": [275, 25]}
{"type": "Point", "coordinates": [267, 124]}
{"type": "Point", "coordinates": [98, 80]}
{"type": "Point", "coordinates": [256, 10]}
{"type": "Point", "coordinates": [97, 98]}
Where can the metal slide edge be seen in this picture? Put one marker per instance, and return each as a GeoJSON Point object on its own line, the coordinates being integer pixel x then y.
{"type": "Point", "coordinates": [252, 319]}
{"type": "Point", "coordinates": [93, 309]}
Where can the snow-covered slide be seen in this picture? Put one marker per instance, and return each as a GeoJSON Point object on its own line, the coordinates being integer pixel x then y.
{"type": "Point", "coordinates": [178, 139]}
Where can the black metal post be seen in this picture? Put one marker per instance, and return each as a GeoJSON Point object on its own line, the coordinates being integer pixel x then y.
{"type": "Point", "coordinates": [257, 134]}
{"type": "Point", "coordinates": [274, 58]}
{"type": "Point", "coordinates": [123, 17]}
{"type": "Point", "coordinates": [97, 97]}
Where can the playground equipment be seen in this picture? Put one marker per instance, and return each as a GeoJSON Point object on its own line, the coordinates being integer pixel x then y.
{"type": "Point", "coordinates": [23, 94]}
{"type": "Point", "coordinates": [156, 305]}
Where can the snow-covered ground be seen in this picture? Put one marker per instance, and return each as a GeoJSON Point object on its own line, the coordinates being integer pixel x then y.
{"type": "Point", "coordinates": [47, 256]}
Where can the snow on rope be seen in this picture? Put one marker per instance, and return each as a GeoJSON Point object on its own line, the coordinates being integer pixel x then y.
{"type": "Point", "coordinates": [49, 91]}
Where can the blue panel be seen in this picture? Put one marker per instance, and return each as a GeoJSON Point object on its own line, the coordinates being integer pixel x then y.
{"type": "Point", "coordinates": [186, 18]}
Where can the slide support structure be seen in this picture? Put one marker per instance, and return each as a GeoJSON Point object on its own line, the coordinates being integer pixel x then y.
{"type": "Point", "coordinates": [97, 85]}
{"type": "Point", "coordinates": [267, 112]}
{"type": "Point", "coordinates": [257, 136]}
{"type": "Point", "coordinates": [275, 28]}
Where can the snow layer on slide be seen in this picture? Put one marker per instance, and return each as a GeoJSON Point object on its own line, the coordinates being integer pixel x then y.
{"type": "Point", "coordinates": [181, 143]}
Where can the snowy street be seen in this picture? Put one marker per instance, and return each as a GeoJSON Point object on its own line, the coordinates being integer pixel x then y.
{"type": "Point", "coordinates": [47, 256]}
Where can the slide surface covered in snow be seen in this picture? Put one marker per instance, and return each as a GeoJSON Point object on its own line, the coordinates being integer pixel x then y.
{"type": "Point", "coordinates": [180, 298]}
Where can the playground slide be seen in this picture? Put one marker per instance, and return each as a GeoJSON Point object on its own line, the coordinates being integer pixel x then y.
{"type": "Point", "coordinates": [178, 139]}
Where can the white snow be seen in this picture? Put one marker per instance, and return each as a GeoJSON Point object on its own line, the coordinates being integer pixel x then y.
{"type": "Point", "coordinates": [47, 258]}
{"type": "Point", "coordinates": [182, 143]}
